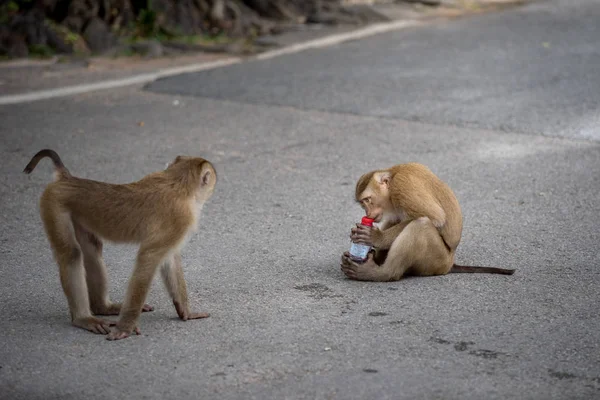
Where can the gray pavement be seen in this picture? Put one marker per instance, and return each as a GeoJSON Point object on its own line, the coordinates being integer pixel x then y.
{"type": "Point", "coordinates": [285, 323]}
{"type": "Point", "coordinates": [534, 70]}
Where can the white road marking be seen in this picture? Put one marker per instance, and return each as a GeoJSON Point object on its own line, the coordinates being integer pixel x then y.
{"type": "Point", "coordinates": [162, 73]}
{"type": "Point", "coordinates": [114, 83]}
{"type": "Point", "coordinates": [338, 38]}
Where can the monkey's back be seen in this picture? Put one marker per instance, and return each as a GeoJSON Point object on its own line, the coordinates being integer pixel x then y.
{"type": "Point", "coordinates": [123, 213]}
{"type": "Point", "coordinates": [419, 187]}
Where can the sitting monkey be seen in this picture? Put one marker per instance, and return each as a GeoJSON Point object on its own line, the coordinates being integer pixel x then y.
{"type": "Point", "coordinates": [420, 225]}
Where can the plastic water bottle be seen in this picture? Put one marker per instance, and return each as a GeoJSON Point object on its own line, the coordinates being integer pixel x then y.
{"type": "Point", "coordinates": [360, 251]}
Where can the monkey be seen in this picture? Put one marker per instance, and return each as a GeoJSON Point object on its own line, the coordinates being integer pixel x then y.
{"type": "Point", "coordinates": [420, 226]}
{"type": "Point", "coordinates": [159, 212]}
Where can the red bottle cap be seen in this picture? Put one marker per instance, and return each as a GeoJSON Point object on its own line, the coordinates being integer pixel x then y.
{"type": "Point", "coordinates": [367, 221]}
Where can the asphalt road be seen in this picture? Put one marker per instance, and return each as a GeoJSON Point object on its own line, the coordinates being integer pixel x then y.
{"type": "Point", "coordinates": [504, 107]}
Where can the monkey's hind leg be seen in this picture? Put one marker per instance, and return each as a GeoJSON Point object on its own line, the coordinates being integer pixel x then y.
{"type": "Point", "coordinates": [418, 250]}
{"type": "Point", "coordinates": [429, 255]}
{"type": "Point", "coordinates": [95, 274]}
{"type": "Point", "coordinates": [172, 275]}
{"type": "Point", "coordinates": [69, 258]}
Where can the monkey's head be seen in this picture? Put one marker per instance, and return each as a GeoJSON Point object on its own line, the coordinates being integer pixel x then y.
{"type": "Point", "coordinates": [372, 193]}
{"type": "Point", "coordinates": [179, 160]}
{"type": "Point", "coordinates": [198, 174]}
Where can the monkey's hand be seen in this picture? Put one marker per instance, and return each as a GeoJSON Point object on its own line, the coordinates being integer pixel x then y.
{"type": "Point", "coordinates": [121, 333]}
{"type": "Point", "coordinates": [184, 312]}
{"type": "Point", "coordinates": [366, 234]}
{"type": "Point", "coordinates": [366, 271]}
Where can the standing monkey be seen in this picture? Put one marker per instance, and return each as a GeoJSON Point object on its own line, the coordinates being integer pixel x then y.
{"type": "Point", "coordinates": [159, 212]}
{"type": "Point", "coordinates": [420, 225]}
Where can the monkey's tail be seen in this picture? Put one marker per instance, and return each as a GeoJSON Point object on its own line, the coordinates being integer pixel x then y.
{"type": "Point", "coordinates": [485, 270]}
{"type": "Point", "coordinates": [58, 164]}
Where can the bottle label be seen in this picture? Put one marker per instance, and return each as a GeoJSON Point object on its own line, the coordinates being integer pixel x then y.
{"type": "Point", "coordinates": [359, 251]}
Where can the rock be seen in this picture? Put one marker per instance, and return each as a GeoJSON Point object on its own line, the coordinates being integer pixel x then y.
{"type": "Point", "coordinates": [12, 44]}
{"type": "Point", "coordinates": [365, 13]}
{"type": "Point", "coordinates": [181, 17]}
{"type": "Point", "coordinates": [63, 40]}
{"type": "Point", "coordinates": [266, 41]}
{"type": "Point", "coordinates": [81, 47]}
{"type": "Point", "coordinates": [97, 36]}
{"type": "Point", "coordinates": [31, 26]}
{"type": "Point", "coordinates": [79, 13]}
{"type": "Point", "coordinates": [148, 48]}
{"type": "Point", "coordinates": [321, 17]}
{"type": "Point", "coordinates": [426, 2]}
{"type": "Point", "coordinates": [74, 23]}
{"type": "Point", "coordinates": [57, 40]}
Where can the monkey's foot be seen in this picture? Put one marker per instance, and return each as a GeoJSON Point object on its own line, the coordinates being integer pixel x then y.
{"type": "Point", "coordinates": [365, 271]}
{"type": "Point", "coordinates": [185, 314]}
{"type": "Point", "coordinates": [115, 309]}
{"type": "Point", "coordinates": [147, 308]}
{"type": "Point", "coordinates": [119, 334]}
{"type": "Point", "coordinates": [95, 325]}
{"type": "Point", "coordinates": [196, 315]}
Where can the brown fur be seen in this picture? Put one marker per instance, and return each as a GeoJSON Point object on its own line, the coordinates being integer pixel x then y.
{"type": "Point", "coordinates": [159, 212]}
{"type": "Point", "coordinates": [421, 225]}
{"type": "Point", "coordinates": [362, 184]}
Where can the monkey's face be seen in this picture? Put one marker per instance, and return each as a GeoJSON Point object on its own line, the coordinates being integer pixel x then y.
{"type": "Point", "coordinates": [375, 200]}
{"type": "Point", "coordinates": [375, 197]}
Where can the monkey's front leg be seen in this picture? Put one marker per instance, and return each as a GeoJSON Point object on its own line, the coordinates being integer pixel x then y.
{"type": "Point", "coordinates": [148, 259]}
{"type": "Point", "coordinates": [366, 271]}
{"type": "Point", "coordinates": [380, 239]}
{"type": "Point", "coordinates": [172, 274]}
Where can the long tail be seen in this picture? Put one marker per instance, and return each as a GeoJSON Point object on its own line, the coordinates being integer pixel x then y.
{"type": "Point", "coordinates": [58, 164]}
{"type": "Point", "coordinates": [489, 270]}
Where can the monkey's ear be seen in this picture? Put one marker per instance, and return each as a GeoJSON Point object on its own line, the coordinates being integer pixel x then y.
{"type": "Point", "coordinates": [175, 161]}
{"type": "Point", "coordinates": [205, 178]}
{"type": "Point", "coordinates": [385, 178]}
